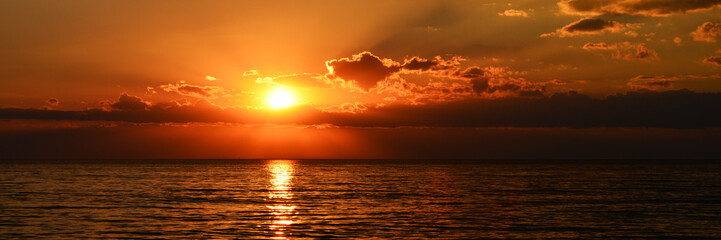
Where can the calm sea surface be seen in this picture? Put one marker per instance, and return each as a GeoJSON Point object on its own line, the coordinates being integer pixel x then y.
{"type": "Point", "coordinates": [286, 199]}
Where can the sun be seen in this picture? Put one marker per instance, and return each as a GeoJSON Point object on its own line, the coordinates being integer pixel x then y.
{"type": "Point", "coordinates": [280, 98]}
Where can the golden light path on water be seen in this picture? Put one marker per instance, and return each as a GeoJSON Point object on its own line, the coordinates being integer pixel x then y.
{"type": "Point", "coordinates": [279, 197]}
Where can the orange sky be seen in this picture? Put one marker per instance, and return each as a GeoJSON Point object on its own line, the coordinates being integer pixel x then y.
{"type": "Point", "coordinates": [371, 64]}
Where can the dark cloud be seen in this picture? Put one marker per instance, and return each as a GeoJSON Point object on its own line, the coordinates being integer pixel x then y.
{"type": "Point", "coordinates": [508, 86]}
{"type": "Point", "coordinates": [154, 141]}
{"type": "Point", "coordinates": [129, 103]}
{"type": "Point", "coordinates": [652, 82]}
{"type": "Point", "coordinates": [707, 32]}
{"type": "Point", "coordinates": [367, 69]}
{"type": "Point", "coordinates": [353, 108]}
{"type": "Point", "coordinates": [590, 25]}
{"type": "Point", "coordinates": [437, 64]}
{"type": "Point", "coordinates": [405, 92]}
{"type": "Point", "coordinates": [716, 60]}
{"type": "Point", "coordinates": [480, 85]}
{"type": "Point", "coordinates": [625, 50]}
{"type": "Point", "coordinates": [586, 26]}
{"type": "Point", "coordinates": [53, 101]}
{"type": "Point", "coordinates": [364, 68]}
{"type": "Point", "coordinates": [416, 63]}
{"type": "Point", "coordinates": [130, 108]}
{"type": "Point", "coordinates": [670, 109]}
{"type": "Point", "coordinates": [484, 81]}
{"type": "Point", "coordinates": [655, 8]}
{"type": "Point", "coordinates": [453, 83]}
{"type": "Point", "coordinates": [472, 72]}
{"type": "Point", "coordinates": [477, 76]}
{"type": "Point", "coordinates": [186, 89]}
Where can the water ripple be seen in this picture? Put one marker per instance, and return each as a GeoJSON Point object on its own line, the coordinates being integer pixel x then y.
{"type": "Point", "coordinates": [285, 199]}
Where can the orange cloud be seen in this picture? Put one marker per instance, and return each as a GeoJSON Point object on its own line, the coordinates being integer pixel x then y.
{"type": "Point", "coordinates": [677, 40]}
{"type": "Point", "coordinates": [716, 60]}
{"type": "Point", "coordinates": [513, 13]}
{"type": "Point", "coordinates": [625, 50]}
{"type": "Point", "coordinates": [598, 46]}
{"type": "Point", "coordinates": [251, 72]}
{"type": "Point", "coordinates": [654, 8]}
{"type": "Point", "coordinates": [489, 82]}
{"type": "Point", "coordinates": [652, 82]}
{"type": "Point", "coordinates": [707, 32]}
{"type": "Point", "coordinates": [638, 52]}
{"type": "Point", "coordinates": [353, 108]}
{"type": "Point", "coordinates": [197, 91]}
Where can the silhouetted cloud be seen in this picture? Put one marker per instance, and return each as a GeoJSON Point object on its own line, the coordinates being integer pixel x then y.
{"type": "Point", "coordinates": [451, 83]}
{"type": "Point", "coordinates": [447, 89]}
{"type": "Point", "coordinates": [436, 64]}
{"type": "Point", "coordinates": [472, 72]}
{"type": "Point", "coordinates": [129, 103]}
{"type": "Point", "coordinates": [716, 60]}
{"type": "Point", "coordinates": [707, 32]}
{"type": "Point", "coordinates": [494, 82]}
{"type": "Point", "coordinates": [198, 91]}
{"type": "Point", "coordinates": [625, 50]}
{"type": "Point", "coordinates": [652, 82]}
{"type": "Point", "coordinates": [586, 26]}
{"type": "Point", "coordinates": [417, 63]}
{"type": "Point", "coordinates": [655, 8]}
{"type": "Point", "coordinates": [670, 109]}
{"type": "Point", "coordinates": [130, 108]}
{"type": "Point", "coordinates": [367, 70]}
{"type": "Point", "coordinates": [207, 141]}
{"type": "Point", "coordinates": [53, 101]}
{"type": "Point", "coordinates": [364, 68]}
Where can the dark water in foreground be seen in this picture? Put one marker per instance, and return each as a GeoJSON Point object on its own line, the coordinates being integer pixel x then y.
{"type": "Point", "coordinates": [356, 199]}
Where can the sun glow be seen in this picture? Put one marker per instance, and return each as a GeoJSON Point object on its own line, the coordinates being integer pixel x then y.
{"type": "Point", "coordinates": [280, 98]}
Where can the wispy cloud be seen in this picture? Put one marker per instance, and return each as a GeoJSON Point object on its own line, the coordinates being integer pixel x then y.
{"type": "Point", "coordinates": [514, 13]}
{"type": "Point", "coordinates": [654, 8]}
{"type": "Point", "coordinates": [586, 26]}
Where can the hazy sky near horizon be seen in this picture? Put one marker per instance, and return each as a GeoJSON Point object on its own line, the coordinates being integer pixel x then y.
{"type": "Point", "coordinates": [363, 64]}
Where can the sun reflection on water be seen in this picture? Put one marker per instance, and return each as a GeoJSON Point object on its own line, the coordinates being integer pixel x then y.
{"type": "Point", "coordinates": [280, 195]}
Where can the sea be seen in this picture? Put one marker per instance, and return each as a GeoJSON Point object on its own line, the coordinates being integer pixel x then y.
{"type": "Point", "coordinates": [360, 199]}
